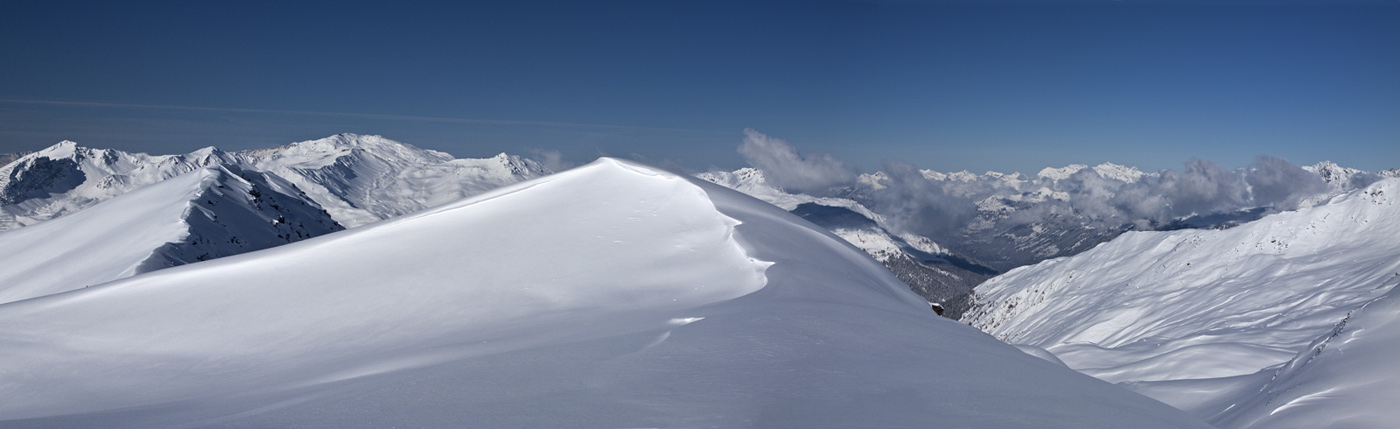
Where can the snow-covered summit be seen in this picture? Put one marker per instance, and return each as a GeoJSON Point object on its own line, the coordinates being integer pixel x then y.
{"type": "Point", "coordinates": [362, 179]}
{"type": "Point", "coordinates": [1334, 174]}
{"type": "Point", "coordinates": [1061, 173]}
{"type": "Point", "coordinates": [1117, 172]}
{"type": "Point", "coordinates": [312, 154]}
{"type": "Point", "coordinates": [657, 301]}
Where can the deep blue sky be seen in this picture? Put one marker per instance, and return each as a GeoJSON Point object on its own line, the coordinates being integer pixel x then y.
{"type": "Point", "coordinates": [1013, 86]}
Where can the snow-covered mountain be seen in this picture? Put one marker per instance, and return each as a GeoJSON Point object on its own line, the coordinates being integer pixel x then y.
{"type": "Point", "coordinates": [1011, 220]}
{"type": "Point", "coordinates": [204, 214]}
{"type": "Point", "coordinates": [363, 179]}
{"type": "Point", "coordinates": [358, 179]}
{"type": "Point", "coordinates": [610, 295]}
{"type": "Point", "coordinates": [939, 275]}
{"type": "Point", "coordinates": [65, 178]}
{"type": "Point", "coordinates": [1226, 324]}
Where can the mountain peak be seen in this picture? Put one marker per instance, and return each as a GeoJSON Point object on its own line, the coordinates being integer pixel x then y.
{"type": "Point", "coordinates": [1060, 173]}
{"type": "Point", "coordinates": [1117, 172]}
{"type": "Point", "coordinates": [63, 149]}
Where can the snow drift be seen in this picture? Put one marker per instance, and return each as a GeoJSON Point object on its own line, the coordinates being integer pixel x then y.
{"type": "Point", "coordinates": [609, 295]}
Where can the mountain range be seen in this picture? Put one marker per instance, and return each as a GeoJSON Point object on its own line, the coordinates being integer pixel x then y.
{"type": "Point", "coordinates": [357, 179]}
{"type": "Point", "coordinates": [613, 294]}
{"type": "Point", "coordinates": [222, 289]}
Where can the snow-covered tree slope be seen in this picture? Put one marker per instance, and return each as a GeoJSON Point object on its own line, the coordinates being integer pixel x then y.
{"type": "Point", "coordinates": [1198, 318]}
{"type": "Point", "coordinates": [204, 214]}
{"type": "Point", "coordinates": [931, 271]}
{"type": "Point", "coordinates": [358, 179]}
{"type": "Point", "coordinates": [362, 179]}
{"type": "Point", "coordinates": [612, 295]}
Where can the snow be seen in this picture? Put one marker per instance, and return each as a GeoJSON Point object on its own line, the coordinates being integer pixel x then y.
{"type": "Point", "coordinates": [204, 214]}
{"type": "Point", "coordinates": [609, 295]}
{"type": "Point", "coordinates": [358, 179]}
{"type": "Point", "coordinates": [1061, 173]}
{"type": "Point", "coordinates": [1199, 318]}
{"type": "Point", "coordinates": [363, 179]}
{"type": "Point", "coordinates": [750, 181]}
{"type": "Point", "coordinates": [1344, 379]}
{"type": "Point", "coordinates": [66, 178]}
{"type": "Point", "coordinates": [94, 246]}
{"type": "Point", "coordinates": [1117, 172]}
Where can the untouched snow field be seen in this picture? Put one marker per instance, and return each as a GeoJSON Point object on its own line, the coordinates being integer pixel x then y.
{"type": "Point", "coordinates": [1287, 321]}
{"type": "Point", "coordinates": [612, 295]}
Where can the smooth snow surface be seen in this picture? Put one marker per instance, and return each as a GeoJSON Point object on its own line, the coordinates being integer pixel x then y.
{"type": "Point", "coordinates": [612, 295]}
{"type": "Point", "coordinates": [1201, 318]}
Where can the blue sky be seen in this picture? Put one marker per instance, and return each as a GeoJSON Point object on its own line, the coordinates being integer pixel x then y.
{"type": "Point", "coordinates": [947, 85]}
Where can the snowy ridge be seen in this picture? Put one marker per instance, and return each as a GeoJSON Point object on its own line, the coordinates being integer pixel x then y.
{"type": "Point", "coordinates": [358, 179]}
{"type": "Point", "coordinates": [1158, 308]}
{"type": "Point", "coordinates": [652, 305]}
{"type": "Point", "coordinates": [204, 214]}
{"type": "Point", "coordinates": [65, 178]}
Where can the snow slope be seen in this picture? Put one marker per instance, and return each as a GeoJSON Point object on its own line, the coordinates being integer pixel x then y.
{"type": "Point", "coordinates": [1345, 379]}
{"type": "Point", "coordinates": [204, 214]}
{"type": "Point", "coordinates": [611, 295]}
{"type": "Point", "coordinates": [1199, 318]}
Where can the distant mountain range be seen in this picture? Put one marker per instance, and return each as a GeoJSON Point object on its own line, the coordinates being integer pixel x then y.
{"type": "Point", "coordinates": [358, 179]}
{"type": "Point", "coordinates": [990, 223]}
